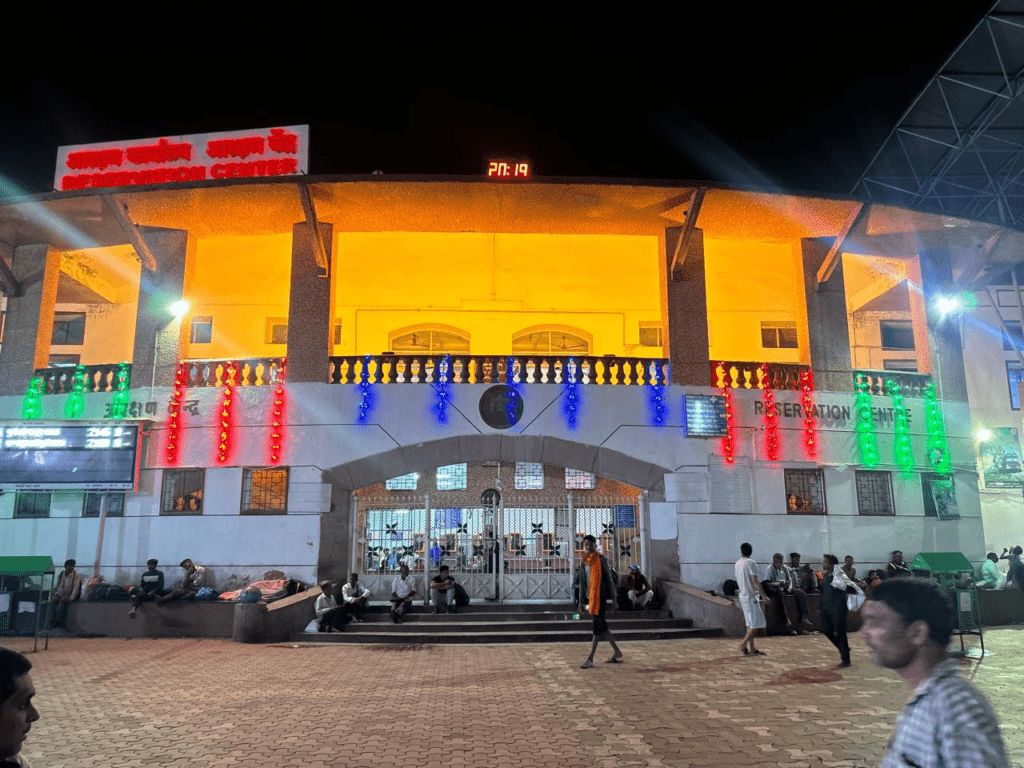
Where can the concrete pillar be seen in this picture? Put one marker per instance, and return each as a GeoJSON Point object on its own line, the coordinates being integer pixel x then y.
{"type": "Point", "coordinates": [161, 339]}
{"type": "Point", "coordinates": [309, 308]}
{"type": "Point", "coordinates": [688, 313]}
{"type": "Point", "coordinates": [827, 324]}
{"type": "Point", "coordinates": [946, 345]}
{"type": "Point", "coordinates": [335, 545]}
{"type": "Point", "coordinates": [29, 324]}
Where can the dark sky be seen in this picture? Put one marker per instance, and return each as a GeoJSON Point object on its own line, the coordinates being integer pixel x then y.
{"type": "Point", "coordinates": [795, 95]}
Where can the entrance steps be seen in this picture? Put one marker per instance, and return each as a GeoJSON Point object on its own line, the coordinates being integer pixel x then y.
{"type": "Point", "coordinates": [501, 623]}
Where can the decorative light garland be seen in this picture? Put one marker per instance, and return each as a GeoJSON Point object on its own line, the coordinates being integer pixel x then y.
{"type": "Point", "coordinates": [122, 386]}
{"type": "Point", "coordinates": [729, 440]}
{"type": "Point", "coordinates": [227, 422]}
{"type": "Point", "coordinates": [174, 415]}
{"type": "Point", "coordinates": [771, 418]}
{"type": "Point", "coordinates": [74, 406]}
{"type": "Point", "coordinates": [867, 441]}
{"type": "Point", "coordinates": [32, 402]}
{"type": "Point", "coordinates": [658, 406]}
{"type": "Point", "coordinates": [277, 413]}
{"type": "Point", "coordinates": [513, 389]}
{"type": "Point", "coordinates": [571, 403]}
{"type": "Point", "coordinates": [938, 448]}
{"type": "Point", "coordinates": [902, 450]}
{"type": "Point", "coordinates": [444, 397]}
{"type": "Point", "coordinates": [366, 390]}
{"type": "Point", "coordinates": [810, 423]}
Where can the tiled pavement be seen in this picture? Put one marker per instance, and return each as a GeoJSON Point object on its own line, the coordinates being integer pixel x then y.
{"type": "Point", "coordinates": [211, 703]}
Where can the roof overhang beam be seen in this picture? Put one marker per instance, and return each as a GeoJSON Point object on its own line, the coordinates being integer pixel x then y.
{"type": "Point", "coordinates": [319, 251]}
{"type": "Point", "coordinates": [683, 244]}
{"type": "Point", "coordinates": [828, 266]}
{"type": "Point", "coordinates": [118, 210]}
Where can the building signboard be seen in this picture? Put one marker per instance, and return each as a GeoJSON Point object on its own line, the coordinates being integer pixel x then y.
{"type": "Point", "coordinates": [281, 151]}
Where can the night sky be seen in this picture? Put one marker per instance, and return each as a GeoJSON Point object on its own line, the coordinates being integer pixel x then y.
{"type": "Point", "coordinates": [792, 95]}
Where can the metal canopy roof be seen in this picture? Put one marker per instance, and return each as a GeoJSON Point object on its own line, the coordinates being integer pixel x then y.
{"type": "Point", "coordinates": [959, 149]}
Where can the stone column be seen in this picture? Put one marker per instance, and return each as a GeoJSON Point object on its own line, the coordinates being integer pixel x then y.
{"type": "Point", "coordinates": [309, 308]}
{"type": "Point", "coordinates": [827, 323]}
{"type": "Point", "coordinates": [944, 332]}
{"type": "Point", "coordinates": [688, 313]}
{"type": "Point", "coordinates": [29, 323]}
{"type": "Point", "coordinates": [160, 338]}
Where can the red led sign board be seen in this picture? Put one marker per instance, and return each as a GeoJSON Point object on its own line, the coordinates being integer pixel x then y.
{"type": "Point", "coordinates": [227, 155]}
{"type": "Point", "coordinates": [508, 169]}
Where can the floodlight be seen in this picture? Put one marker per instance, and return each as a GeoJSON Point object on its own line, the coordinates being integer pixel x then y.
{"type": "Point", "coordinates": [178, 308]}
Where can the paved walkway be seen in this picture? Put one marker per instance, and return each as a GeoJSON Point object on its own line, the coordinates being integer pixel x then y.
{"type": "Point", "coordinates": [212, 703]}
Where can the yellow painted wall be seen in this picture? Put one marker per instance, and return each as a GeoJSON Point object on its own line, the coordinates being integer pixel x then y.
{"type": "Point", "coordinates": [747, 283]}
{"type": "Point", "coordinates": [494, 285]}
{"type": "Point", "coordinates": [113, 274]}
{"type": "Point", "coordinates": [239, 281]}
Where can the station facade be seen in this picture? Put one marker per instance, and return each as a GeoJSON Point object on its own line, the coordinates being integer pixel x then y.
{"type": "Point", "coordinates": [373, 370]}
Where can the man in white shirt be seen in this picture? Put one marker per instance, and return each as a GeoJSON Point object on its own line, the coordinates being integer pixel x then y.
{"type": "Point", "coordinates": [330, 616]}
{"type": "Point", "coordinates": [354, 596]}
{"type": "Point", "coordinates": [750, 598]}
{"type": "Point", "coordinates": [403, 590]}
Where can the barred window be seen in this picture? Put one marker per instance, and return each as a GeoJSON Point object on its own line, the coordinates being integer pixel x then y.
{"type": "Point", "coordinates": [183, 492]}
{"type": "Point", "coordinates": [451, 477]}
{"type": "Point", "coordinates": [403, 482]}
{"type": "Point", "coordinates": [32, 505]}
{"type": "Point", "coordinates": [778, 334]}
{"type": "Point", "coordinates": [201, 330]}
{"type": "Point", "coordinates": [68, 328]}
{"type": "Point", "coordinates": [265, 491]}
{"type": "Point", "coordinates": [874, 493]}
{"type": "Point", "coordinates": [805, 492]}
{"type": "Point", "coordinates": [115, 505]}
{"type": "Point", "coordinates": [578, 480]}
{"type": "Point", "coordinates": [529, 476]}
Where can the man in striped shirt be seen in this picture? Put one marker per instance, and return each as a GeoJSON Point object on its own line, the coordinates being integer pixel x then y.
{"type": "Point", "coordinates": [948, 722]}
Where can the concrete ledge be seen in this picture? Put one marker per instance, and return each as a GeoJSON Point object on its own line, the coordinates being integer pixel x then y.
{"type": "Point", "coordinates": [1001, 606]}
{"type": "Point", "coordinates": [706, 611]}
{"type": "Point", "coordinates": [277, 622]}
{"type": "Point", "coordinates": [177, 619]}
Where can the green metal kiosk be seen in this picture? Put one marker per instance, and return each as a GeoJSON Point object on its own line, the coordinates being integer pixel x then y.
{"type": "Point", "coordinates": [24, 607]}
{"type": "Point", "coordinates": [954, 574]}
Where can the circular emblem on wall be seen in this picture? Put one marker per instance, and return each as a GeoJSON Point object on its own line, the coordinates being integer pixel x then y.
{"type": "Point", "coordinates": [501, 406]}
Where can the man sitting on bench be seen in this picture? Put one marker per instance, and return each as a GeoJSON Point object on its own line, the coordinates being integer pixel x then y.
{"type": "Point", "coordinates": [150, 588]}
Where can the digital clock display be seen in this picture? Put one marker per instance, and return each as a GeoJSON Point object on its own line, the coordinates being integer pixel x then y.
{"type": "Point", "coordinates": [508, 169]}
{"type": "Point", "coordinates": [62, 456]}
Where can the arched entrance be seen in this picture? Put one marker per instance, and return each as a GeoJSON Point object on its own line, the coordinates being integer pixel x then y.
{"type": "Point", "coordinates": [508, 530]}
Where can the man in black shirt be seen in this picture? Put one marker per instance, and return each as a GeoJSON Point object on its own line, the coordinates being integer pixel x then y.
{"type": "Point", "coordinates": [151, 586]}
{"type": "Point", "coordinates": [442, 590]}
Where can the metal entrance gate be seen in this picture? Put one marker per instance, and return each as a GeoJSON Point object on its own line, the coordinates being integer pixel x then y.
{"type": "Point", "coordinates": [525, 551]}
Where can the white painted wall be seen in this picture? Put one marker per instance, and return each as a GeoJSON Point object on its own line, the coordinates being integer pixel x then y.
{"type": "Point", "coordinates": [324, 435]}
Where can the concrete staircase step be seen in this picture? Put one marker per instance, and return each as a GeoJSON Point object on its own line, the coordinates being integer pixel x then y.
{"type": "Point", "coordinates": [427, 636]}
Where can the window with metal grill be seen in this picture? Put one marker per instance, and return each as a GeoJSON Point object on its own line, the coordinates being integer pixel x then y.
{"type": "Point", "coordinates": [32, 505]}
{"type": "Point", "coordinates": [578, 480]}
{"type": "Point", "coordinates": [529, 476]}
{"type": "Point", "coordinates": [265, 491]}
{"type": "Point", "coordinates": [451, 477]}
{"type": "Point", "coordinates": [115, 505]}
{"type": "Point", "coordinates": [874, 493]}
{"type": "Point", "coordinates": [403, 482]}
{"type": "Point", "coordinates": [183, 492]}
{"type": "Point", "coordinates": [805, 492]}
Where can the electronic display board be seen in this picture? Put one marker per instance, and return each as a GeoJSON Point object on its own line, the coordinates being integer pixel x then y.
{"type": "Point", "coordinates": [88, 456]}
{"type": "Point", "coordinates": [704, 416]}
